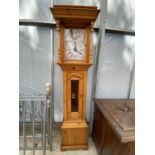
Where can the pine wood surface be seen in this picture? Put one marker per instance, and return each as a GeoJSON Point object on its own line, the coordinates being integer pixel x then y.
{"type": "Point", "coordinates": [74, 129]}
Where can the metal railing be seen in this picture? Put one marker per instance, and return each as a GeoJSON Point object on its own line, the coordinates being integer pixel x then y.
{"type": "Point", "coordinates": [35, 123]}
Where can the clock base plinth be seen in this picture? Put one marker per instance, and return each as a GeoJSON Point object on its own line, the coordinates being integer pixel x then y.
{"type": "Point", "coordinates": [74, 135]}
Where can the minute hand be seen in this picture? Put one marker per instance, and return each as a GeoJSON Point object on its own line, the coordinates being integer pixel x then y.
{"type": "Point", "coordinates": [75, 46]}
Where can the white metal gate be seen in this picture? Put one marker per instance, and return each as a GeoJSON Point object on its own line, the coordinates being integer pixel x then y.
{"type": "Point", "coordinates": [35, 123]}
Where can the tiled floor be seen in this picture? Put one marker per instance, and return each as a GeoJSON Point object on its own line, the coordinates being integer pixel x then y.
{"type": "Point", "coordinates": [56, 147]}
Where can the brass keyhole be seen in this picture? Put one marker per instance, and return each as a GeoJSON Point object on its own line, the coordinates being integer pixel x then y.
{"type": "Point", "coordinates": [73, 96]}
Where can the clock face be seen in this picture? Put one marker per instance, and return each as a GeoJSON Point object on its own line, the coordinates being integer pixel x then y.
{"type": "Point", "coordinates": [74, 44]}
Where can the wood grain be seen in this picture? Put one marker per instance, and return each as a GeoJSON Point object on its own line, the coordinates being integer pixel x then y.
{"type": "Point", "coordinates": [108, 135]}
{"type": "Point", "coordinates": [74, 129]}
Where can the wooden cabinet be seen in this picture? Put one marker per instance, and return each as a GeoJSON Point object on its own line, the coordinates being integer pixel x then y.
{"type": "Point", "coordinates": [113, 127]}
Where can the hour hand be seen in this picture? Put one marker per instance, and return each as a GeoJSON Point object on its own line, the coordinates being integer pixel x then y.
{"type": "Point", "coordinates": [75, 49]}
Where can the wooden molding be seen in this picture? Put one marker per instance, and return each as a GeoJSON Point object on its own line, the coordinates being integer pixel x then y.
{"type": "Point", "coordinates": [68, 14]}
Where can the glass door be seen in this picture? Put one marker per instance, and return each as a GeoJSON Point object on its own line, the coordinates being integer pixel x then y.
{"type": "Point", "coordinates": [74, 96]}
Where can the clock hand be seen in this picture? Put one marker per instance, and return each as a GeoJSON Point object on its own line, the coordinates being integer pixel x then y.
{"type": "Point", "coordinates": [75, 47]}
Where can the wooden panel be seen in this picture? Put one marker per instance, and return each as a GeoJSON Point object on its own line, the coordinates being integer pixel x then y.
{"type": "Point", "coordinates": [67, 77]}
{"type": "Point", "coordinates": [84, 83]}
{"type": "Point", "coordinates": [72, 66]}
{"type": "Point", "coordinates": [108, 141]}
{"type": "Point", "coordinates": [65, 95]}
{"type": "Point", "coordinates": [81, 77]}
{"type": "Point", "coordinates": [98, 129]}
{"type": "Point", "coordinates": [74, 134]}
{"type": "Point", "coordinates": [74, 147]}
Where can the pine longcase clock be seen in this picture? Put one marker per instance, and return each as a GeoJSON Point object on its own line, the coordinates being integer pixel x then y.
{"type": "Point", "coordinates": [74, 27]}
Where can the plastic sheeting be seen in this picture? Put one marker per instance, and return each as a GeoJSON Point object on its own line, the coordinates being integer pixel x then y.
{"type": "Point", "coordinates": [57, 85]}
{"type": "Point", "coordinates": [132, 92]}
{"type": "Point", "coordinates": [116, 64]}
{"type": "Point", "coordinates": [35, 9]}
{"type": "Point", "coordinates": [34, 60]}
{"type": "Point", "coordinates": [90, 77]}
{"type": "Point", "coordinates": [121, 14]}
{"type": "Point", "coordinates": [78, 2]}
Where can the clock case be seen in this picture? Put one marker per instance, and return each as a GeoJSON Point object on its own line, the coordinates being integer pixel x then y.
{"type": "Point", "coordinates": [74, 128]}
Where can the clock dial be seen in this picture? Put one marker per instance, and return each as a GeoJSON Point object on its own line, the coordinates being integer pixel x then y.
{"type": "Point", "coordinates": [74, 44]}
